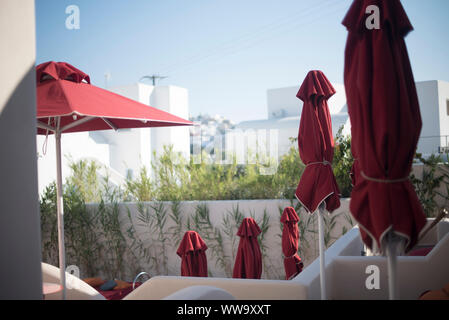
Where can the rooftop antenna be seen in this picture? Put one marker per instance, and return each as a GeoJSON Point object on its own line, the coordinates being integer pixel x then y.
{"type": "Point", "coordinates": [107, 76]}
{"type": "Point", "coordinates": [153, 78]}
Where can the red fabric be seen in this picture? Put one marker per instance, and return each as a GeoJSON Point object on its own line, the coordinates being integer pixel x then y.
{"type": "Point", "coordinates": [420, 252]}
{"type": "Point", "coordinates": [63, 90]}
{"type": "Point", "coordinates": [117, 294]}
{"type": "Point", "coordinates": [316, 144]}
{"type": "Point", "coordinates": [192, 251]}
{"type": "Point", "coordinates": [385, 123]}
{"type": "Point", "coordinates": [290, 238]}
{"type": "Point", "coordinates": [355, 171]}
{"type": "Point", "coordinates": [60, 71]}
{"type": "Point", "coordinates": [248, 262]}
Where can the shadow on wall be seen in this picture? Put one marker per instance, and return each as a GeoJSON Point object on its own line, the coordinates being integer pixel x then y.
{"type": "Point", "coordinates": [20, 245]}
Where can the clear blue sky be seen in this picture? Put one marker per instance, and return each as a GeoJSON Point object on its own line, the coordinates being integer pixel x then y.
{"type": "Point", "coordinates": [227, 53]}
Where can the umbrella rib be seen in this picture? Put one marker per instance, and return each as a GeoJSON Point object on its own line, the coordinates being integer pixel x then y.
{"type": "Point", "coordinates": [109, 123]}
{"type": "Point", "coordinates": [77, 123]}
{"type": "Point", "coordinates": [42, 125]}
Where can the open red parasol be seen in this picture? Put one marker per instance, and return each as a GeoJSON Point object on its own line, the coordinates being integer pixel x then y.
{"type": "Point", "coordinates": [67, 102]}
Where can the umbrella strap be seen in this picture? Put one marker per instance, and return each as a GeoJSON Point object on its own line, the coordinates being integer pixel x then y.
{"type": "Point", "coordinates": [290, 256]}
{"type": "Point", "coordinates": [325, 162]}
{"type": "Point", "coordinates": [383, 180]}
{"type": "Point", "coordinates": [44, 145]}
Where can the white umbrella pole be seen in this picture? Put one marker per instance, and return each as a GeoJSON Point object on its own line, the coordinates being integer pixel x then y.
{"type": "Point", "coordinates": [322, 251]}
{"type": "Point", "coordinates": [60, 212]}
{"type": "Point", "coordinates": [392, 268]}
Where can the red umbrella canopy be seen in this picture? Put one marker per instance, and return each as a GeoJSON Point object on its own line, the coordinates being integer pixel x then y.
{"type": "Point", "coordinates": [65, 91]}
{"type": "Point", "coordinates": [290, 238]}
{"type": "Point", "coordinates": [192, 251]}
{"type": "Point", "coordinates": [355, 168]}
{"type": "Point", "coordinates": [316, 145]}
{"type": "Point", "coordinates": [386, 123]}
{"type": "Point", "coordinates": [248, 262]}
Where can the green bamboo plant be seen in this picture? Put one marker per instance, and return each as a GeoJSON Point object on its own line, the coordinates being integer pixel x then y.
{"type": "Point", "coordinates": [427, 186]}
{"type": "Point", "coordinates": [160, 219]}
{"type": "Point", "coordinates": [106, 237]}
{"type": "Point", "coordinates": [264, 224]}
{"type": "Point", "coordinates": [138, 251]}
{"type": "Point", "coordinates": [213, 236]}
{"type": "Point", "coordinates": [177, 230]}
{"type": "Point", "coordinates": [230, 225]}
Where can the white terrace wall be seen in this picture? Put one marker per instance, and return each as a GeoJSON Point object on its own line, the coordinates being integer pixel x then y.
{"type": "Point", "coordinates": [160, 257]}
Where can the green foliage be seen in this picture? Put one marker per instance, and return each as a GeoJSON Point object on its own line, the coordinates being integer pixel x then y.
{"type": "Point", "coordinates": [230, 225]}
{"type": "Point", "coordinates": [152, 218]}
{"type": "Point", "coordinates": [427, 186]}
{"type": "Point", "coordinates": [349, 220]}
{"type": "Point", "coordinates": [80, 238]}
{"type": "Point", "coordinates": [288, 174]}
{"type": "Point", "coordinates": [177, 230]}
{"type": "Point", "coordinates": [85, 178]}
{"type": "Point", "coordinates": [112, 243]}
{"type": "Point", "coordinates": [104, 240]}
{"type": "Point", "coordinates": [306, 226]}
{"type": "Point", "coordinates": [176, 179]}
{"type": "Point", "coordinates": [101, 239]}
{"type": "Point", "coordinates": [444, 169]}
{"type": "Point", "coordinates": [264, 224]}
{"type": "Point", "coordinates": [49, 224]}
{"type": "Point", "coordinates": [138, 250]}
{"type": "Point", "coordinates": [342, 163]}
{"type": "Point", "coordinates": [140, 189]}
{"type": "Point", "coordinates": [160, 218]}
{"type": "Point", "coordinates": [212, 235]}
{"type": "Point", "coordinates": [329, 226]}
{"type": "Point", "coordinates": [93, 238]}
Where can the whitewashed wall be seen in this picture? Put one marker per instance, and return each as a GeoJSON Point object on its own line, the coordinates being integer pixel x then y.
{"type": "Point", "coordinates": [272, 263]}
{"type": "Point", "coordinates": [20, 270]}
{"type": "Point", "coordinates": [443, 102]}
{"type": "Point", "coordinates": [174, 100]}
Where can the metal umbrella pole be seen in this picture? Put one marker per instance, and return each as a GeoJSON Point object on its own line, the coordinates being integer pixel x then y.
{"type": "Point", "coordinates": [57, 130]}
{"type": "Point", "coordinates": [392, 252]}
{"type": "Point", "coordinates": [60, 208]}
{"type": "Point", "coordinates": [321, 210]}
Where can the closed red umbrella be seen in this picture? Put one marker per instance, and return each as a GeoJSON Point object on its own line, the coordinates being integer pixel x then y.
{"type": "Point", "coordinates": [355, 168]}
{"type": "Point", "coordinates": [290, 238]}
{"type": "Point", "coordinates": [248, 262]}
{"type": "Point", "coordinates": [67, 102]}
{"type": "Point", "coordinates": [316, 145]}
{"type": "Point", "coordinates": [386, 123]}
{"type": "Point", "coordinates": [317, 188]}
{"type": "Point", "coordinates": [192, 251]}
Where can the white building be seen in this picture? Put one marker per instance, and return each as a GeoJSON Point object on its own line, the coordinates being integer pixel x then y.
{"type": "Point", "coordinates": [125, 151]}
{"type": "Point", "coordinates": [206, 131]}
{"type": "Point", "coordinates": [284, 111]}
{"type": "Point", "coordinates": [434, 105]}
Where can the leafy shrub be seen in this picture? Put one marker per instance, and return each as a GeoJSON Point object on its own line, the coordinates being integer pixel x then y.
{"type": "Point", "coordinates": [342, 163]}
{"type": "Point", "coordinates": [177, 179]}
{"type": "Point", "coordinates": [427, 186]}
{"type": "Point", "coordinates": [93, 238]}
